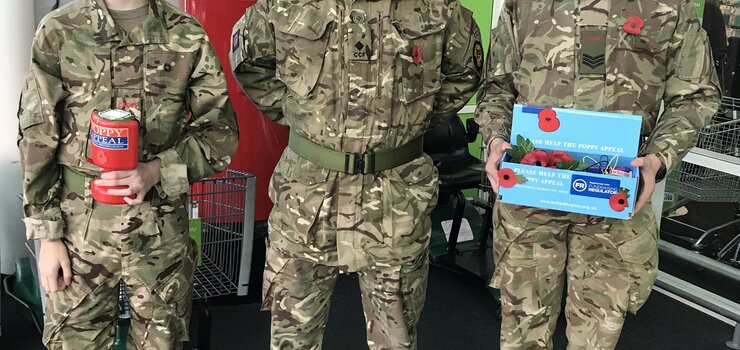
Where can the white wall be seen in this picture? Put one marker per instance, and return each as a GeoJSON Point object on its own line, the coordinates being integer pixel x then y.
{"type": "Point", "coordinates": [17, 17]}
{"type": "Point", "coordinates": [498, 6]}
{"type": "Point", "coordinates": [44, 6]}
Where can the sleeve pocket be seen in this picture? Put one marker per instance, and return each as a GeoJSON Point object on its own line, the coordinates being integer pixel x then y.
{"type": "Point", "coordinates": [300, 46]}
{"type": "Point", "coordinates": [29, 109]}
{"type": "Point", "coordinates": [695, 58]}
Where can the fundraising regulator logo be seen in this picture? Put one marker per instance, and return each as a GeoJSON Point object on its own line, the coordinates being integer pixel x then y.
{"type": "Point", "coordinates": [580, 185]}
{"type": "Point", "coordinates": [593, 186]}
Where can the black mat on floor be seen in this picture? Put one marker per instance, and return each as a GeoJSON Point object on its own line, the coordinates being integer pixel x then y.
{"type": "Point", "coordinates": [458, 315]}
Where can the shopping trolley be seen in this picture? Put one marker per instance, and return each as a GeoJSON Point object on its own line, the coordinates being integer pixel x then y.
{"type": "Point", "coordinates": [692, 182]}
{"type": "Point", "coordinates": [223, 210]}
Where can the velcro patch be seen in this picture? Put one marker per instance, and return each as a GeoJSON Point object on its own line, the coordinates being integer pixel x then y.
{"type": "Point", "coordinates": [478, 55]}
{"type": "Point", "coordinates": [236, 40]}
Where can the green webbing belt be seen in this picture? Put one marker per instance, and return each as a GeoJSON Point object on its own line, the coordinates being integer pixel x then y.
{"type": "Point", "coordinates": [74, 180]}
{"type": "Point", "coordinates": [354, 163]}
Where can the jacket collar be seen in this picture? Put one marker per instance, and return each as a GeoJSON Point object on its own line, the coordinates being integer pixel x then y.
{"type": "Point", "coordinates": [152, 31]}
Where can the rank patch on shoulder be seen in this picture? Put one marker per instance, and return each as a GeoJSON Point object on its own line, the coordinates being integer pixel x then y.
{"type": "Point", "coordinates": [235, 40]}
{"type": "Point", "coordinates": [593, 50]}
{"type": "Point", "coordinates": [478, 55]}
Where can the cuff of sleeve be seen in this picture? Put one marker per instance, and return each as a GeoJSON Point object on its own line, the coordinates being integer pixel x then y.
{"type": "Point", "coordinates": [173, 175]}
{"type": "Point", "coordinates": [494, 131]}
{"type": "Point", "coordinates": [45, 229]}
{"type": "Point", "coordinates": [668, 158]}
{"type": "Point", "coordinates": [494, 137]}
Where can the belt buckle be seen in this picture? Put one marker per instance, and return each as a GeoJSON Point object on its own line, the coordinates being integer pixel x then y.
{"type": "Point", "coordinates": [355, 163]}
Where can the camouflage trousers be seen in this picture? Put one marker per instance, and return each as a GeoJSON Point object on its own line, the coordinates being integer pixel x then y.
{"type": "Point", "coordinates": [608, 266]}
{"type": "Point", "coordinates": [298, 293]}
{"type": "Point", "coordinates": [146, 246]}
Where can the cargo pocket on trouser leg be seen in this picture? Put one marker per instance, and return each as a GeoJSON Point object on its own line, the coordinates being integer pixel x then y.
{"type": "Point", "coordinates": [172, 304]}
{"type": "Point", "coordinates": [299, 190]}
{"type": "Point", "coordinates": [409, 194]}
{"type": "Point", "coordinates": [297, 291]}
{"type": "Point", "coordinates": [596, 309]}
{"type": "Point", "coordinates": [392, 299]}
{"type": "Point", "coordinates": [77, 317]}
{"type": "Point", "coordinates": [275, 263]}
{"type": "Point", "coordinates": [639, 254]}
{"type": "Point", "coordinates": [414, 278]}
{"type": "Point", "coordinates": [506, 230]}
{"type": "Point", "coordinates": [529, 262]}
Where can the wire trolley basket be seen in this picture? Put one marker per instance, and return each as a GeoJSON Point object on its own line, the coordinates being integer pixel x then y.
{"type": "Point", "coordinates": [225, 208]}
{"type": "Point", "coordinates": [721, 135]}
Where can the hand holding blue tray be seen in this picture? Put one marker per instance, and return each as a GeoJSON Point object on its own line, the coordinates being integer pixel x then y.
{"type": "Point", "coordinates": [572, 160]}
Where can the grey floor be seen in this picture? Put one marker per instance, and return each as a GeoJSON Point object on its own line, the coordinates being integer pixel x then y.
{"type": "Point", "coordinates": [458, 315]}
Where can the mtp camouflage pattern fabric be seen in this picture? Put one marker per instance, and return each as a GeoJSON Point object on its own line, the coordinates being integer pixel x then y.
{"type": "Point", "coordinates": [608, 265]}
{"type": "Point", "coordinates": [166, 73]}
{"type": "Point", "coordinates": [146, 246]}
{"type": "Point", "coordinates": [353, 76]}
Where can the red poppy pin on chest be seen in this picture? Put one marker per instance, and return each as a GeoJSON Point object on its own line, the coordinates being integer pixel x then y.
{"type": "Point", "coordinates": [633, 25]}
{"type": "Point", "coordinates": [416, 54]}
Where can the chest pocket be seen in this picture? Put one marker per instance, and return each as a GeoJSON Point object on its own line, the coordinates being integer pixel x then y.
{"type": "Point", "coordinates": [301, 40]}
{"type": "Point", "coordinates": [84, 70]}
{"type": "Point", "coordinates": [643, 45]}
{"type": "Point", "coordinates": [648, 48]}
{"type": "Point", "coordinates": [82, 67]}
{"type": "Point", "coordinates": [168, 72]}
{"type": "Point", "coordinates": [419, 57]}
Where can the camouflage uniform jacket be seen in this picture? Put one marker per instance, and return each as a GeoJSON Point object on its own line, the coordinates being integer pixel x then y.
{"type": "Point", "coordinates": [165, 72]}
{"type": "Point", "coordinates": [537, 57]}
{"type": "Point", "coordinates": [356, 76]}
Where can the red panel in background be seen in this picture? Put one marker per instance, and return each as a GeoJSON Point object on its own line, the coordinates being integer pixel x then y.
{"type": "Point", "coordinates": [261, 141]}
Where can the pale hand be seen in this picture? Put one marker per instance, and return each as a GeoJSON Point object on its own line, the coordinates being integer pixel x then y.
{"type": "Point", "coordinates": [649, 166]}
{"type": "Point", "coordinates": [495, 154]}
{"type": "Point", "coordinates": [139, 181]}
{"type": "Point", "coordinates": [52, 258]}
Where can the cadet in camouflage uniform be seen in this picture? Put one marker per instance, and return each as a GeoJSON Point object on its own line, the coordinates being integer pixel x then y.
{"type": "Point", "coordinates": [580, 54]}
{"type": "Point", "coordinates": [165, 72]}
{"type": "Point", "coordinates": [358, 83]}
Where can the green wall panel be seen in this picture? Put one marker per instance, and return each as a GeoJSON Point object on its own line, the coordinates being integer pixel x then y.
{"type": "Point", "coordinates": [482, 10]}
